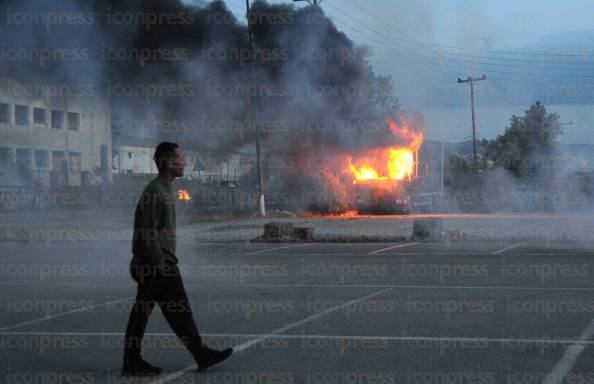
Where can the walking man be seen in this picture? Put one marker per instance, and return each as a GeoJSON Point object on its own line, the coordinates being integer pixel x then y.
{"type": "Point", "coordinates": [154, 268]}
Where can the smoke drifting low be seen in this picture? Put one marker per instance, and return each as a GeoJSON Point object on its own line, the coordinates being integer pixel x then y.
{"type": "Point", "coordinates": [525, 169]}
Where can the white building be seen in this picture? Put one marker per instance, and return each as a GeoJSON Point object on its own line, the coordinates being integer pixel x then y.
{"type": "Point", "coordinates": [54, 134]}
{"type": "Point", "coordinates": [134, 155]}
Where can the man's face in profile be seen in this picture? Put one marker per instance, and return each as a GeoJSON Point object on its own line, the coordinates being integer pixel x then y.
{"type": "Point", "coordinates": [176, 163]}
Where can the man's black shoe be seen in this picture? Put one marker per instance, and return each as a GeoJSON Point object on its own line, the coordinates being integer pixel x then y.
{"type": "Point", "coordinates": [139, 367]}
{"type": "Point", "coordinates": [211, 357]}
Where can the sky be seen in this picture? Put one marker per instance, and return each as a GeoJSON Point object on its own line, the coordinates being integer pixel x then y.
{"type": "Point", "coordinates": [387, 26]}
{"type": "Point", "coordinates": [425, 76]}
{"type": "Point", "coordinates": [509, 23]}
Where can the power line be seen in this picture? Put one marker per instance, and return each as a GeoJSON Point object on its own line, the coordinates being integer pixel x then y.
{"type": "Point", "coordinates": [229, 4]}
{"type": "Point", "coordinates": [503, 59]}
{"type": "Point", "coordinates": [518, 66]}
{"type": "Point", "coordinates": [451, 61]}
{"type": "Point", "coordinates": [460, 68]}
{"type": "Point", "coordinates": [441, 53]}
{"type": "Point", "coordinates": [457, 74]}
{"type": "Point", "coordinates": [464, 67]}
{"type": "Point", "coordinates": [473, 49]}
{"type": "Point", "coordinates": [439, 68]}
{"type": "Point", "coordinates": [364, 35]}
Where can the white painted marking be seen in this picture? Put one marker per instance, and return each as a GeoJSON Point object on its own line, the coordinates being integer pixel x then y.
{"type": "Point", "coordinates": [250, 343]}
{"type": "Point", "coordinates": [570, 356]}
{"type": "Point", "coordinates": [277, 248]}
{"type": "Point", "coordinates": [49, 317]}
{"type": "Point", "coordinates": [394, 247]}
{"type": "Point", "coordinates": [430, 253]}
{"type": "Point", "coordinates": [380, 286]}
{"type": "Point", "coordinates": [198, 286]}
{"type": "Point", "coordinates": [500, 251]}
{"type": "Point", "coordinates": [495, 340]}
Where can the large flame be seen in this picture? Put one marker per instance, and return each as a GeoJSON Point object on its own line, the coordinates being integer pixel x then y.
{"type": "Point", "coordinates": [391, 162]}
{"type": "Point", "coordinates": [183, 195]}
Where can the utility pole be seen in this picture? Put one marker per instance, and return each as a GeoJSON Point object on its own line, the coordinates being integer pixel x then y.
{"type": "Point", "coordinates": [563, 129]}
{"type": "Point", "coordinates": [472, 80]}
{"type": "Point", "coordinates": [253, 103]}
{"type": "Point", "coordinates": [442, 172]}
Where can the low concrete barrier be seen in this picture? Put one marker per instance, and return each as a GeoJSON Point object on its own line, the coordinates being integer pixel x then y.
{"type": "Point", "coordinates": [427, 229]}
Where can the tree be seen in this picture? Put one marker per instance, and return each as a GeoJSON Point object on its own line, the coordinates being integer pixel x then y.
{"type": "Point", "coordinates": [528, 143]}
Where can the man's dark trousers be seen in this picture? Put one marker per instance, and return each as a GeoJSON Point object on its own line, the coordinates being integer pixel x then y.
{"type": "Point", "coordinates": [162, 285]}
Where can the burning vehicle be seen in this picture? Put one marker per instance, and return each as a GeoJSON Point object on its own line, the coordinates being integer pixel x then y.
{"type": "Point", "coordinates": [381, 176]}
{"type": "Point", "coordinates": [373, 180]}
{"type": "Point", "coordinates": [381, 198]}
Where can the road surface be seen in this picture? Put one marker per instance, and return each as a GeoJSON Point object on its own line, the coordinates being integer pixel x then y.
{"type": "Point", "coordinates": [459, 312]}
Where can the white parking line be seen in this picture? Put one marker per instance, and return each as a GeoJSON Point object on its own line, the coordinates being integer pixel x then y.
{"type": "Point", "coordinates": [197, 286]}
{"type": "Point", "coordinates": [277, 248]}
{"type": "Point", "coordinates": [49, 317]}
{"type": "Point", "coordinates": [495, 340]}
{"type": "Point", "coordinates": [500, 251]}
{"type": "Point", "coordinates": [250, 343]}
{"type": "Point", "coordinates": [570, 356]}
{"type": "Point", "coordinates": [394, 247]}
{"type": "Point", "coordinates": [380, 286]}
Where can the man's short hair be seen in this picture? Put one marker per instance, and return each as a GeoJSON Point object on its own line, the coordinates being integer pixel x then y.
{"type": "Point", "coordinates": [163, 152]}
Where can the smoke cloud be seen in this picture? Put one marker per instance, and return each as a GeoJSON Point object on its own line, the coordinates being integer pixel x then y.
{"type": "Point", "coordinates": [165, 62]}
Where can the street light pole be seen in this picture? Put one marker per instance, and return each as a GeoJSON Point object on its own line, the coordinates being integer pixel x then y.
{"type": "Point", "coordinates": [252, 103]}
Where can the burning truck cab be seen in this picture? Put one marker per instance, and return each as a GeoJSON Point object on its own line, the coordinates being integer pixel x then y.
{"type": "Point", "coordinates": [374, 198]}
{"type": "Point", "coordinates": [382, 177]}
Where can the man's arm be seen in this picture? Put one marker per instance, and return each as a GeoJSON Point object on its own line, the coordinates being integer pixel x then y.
{"type": "Point", "coordinates": [147, 229]}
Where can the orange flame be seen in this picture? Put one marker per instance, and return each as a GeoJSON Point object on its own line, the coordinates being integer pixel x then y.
{"type": "Point", "coordinates": [388, 163]}
{"type": "Point", "coordinates": [183, 195]}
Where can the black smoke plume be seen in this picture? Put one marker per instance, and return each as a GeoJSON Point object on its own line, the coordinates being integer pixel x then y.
{"type": "Point", "coordinates": [186, 73]}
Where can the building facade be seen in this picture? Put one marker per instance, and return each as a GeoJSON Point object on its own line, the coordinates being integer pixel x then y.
{"type": "Point", "coordinates": [52, 137]}
{"type": "Point", "coordinates": [133, 155]}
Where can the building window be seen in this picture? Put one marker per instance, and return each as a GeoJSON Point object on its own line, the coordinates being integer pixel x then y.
{"type": "Point", "coordinates": [129, 155]}
{"type": "Point", "coordinates": [73, 120]}
{"type": "Point", "coordinates": [21, 114]}
{"type": "Point", "coordinates": [57, 119]}
{"type": "Point", "coordinates": [75, 161]}
{"type": "Point", "coordinates": [23, 157]}
{"type": "Point", "coordinates": [59, 164]}
{"type": "Point", "coordinates": [41, 158]}
{"type": "Point", "coordinates": [39, 116]}
{"type": "Point", "coordinates": [4, 113]}
{"type": "Point", "coordinates": [5, 157]}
